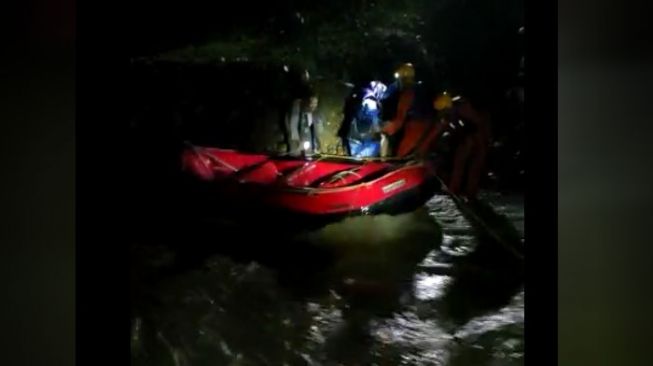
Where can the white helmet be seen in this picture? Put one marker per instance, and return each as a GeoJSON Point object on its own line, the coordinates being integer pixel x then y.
{"type": "Point", "coordinates": [376, 89]}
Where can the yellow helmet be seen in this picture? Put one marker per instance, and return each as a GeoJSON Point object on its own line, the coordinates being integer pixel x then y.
{"type": "Point", "coordinates": [442, 101]}
{"type": "Point", "coordinates": [406, 73]}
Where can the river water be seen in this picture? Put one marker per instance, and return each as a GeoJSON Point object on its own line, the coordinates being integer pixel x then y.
{"type": "Point", "coordinates": [423, 288]}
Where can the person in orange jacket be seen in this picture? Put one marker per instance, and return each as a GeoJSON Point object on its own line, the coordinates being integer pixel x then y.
{"type": "Point", "coordinates": [411, 130]}
{"type": "Point", "coordinates": [471, 134]}
{"type": "Point", "coordinates": [404, 86]}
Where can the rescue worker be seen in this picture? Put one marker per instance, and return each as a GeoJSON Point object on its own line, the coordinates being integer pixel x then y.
{"type": "Point", "coordinates": [362, 129]}
{"type": "Point", "coordinates": [304, 126]}
{"type": "Point", "coordinates": [419, 133]}
{"type": "Point", "coordinates": [470, 133]}
{"type": "Point", "coordinates": [419, 136]}
{"type": "Point", "coordinates": [404, 86]}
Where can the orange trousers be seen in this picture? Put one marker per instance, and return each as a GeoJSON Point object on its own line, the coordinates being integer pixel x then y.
{"type": "Point", "coordinates": [469, 160]}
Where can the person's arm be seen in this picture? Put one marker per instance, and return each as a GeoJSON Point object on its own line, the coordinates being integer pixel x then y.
{"type": "Point", "coordinates": [293, 124]}
{"type": "Point", "coordinates": [429, 141]}
{"type": "Point", "coordinates": [405, 102]}
{"type": "Point", "coordinates": [392, 88]}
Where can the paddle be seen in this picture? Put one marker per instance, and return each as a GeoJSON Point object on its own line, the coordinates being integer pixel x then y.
{"type": "Point", "coordinates": [469, 212]}
{"type": "Point", "coordinates": [465, 208]}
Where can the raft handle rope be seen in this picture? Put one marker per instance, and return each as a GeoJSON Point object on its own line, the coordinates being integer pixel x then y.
{"type": "Point", "coordinates": [212, 158]}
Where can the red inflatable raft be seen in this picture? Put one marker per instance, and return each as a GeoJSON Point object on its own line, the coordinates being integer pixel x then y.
{"type": "Point", "coordinates": [323, 186]}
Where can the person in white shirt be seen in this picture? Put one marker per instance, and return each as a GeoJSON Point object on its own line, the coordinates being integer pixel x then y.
{"type": "Point", "coordinates": [304, 126]}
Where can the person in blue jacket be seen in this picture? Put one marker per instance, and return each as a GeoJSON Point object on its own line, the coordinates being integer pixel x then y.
{"type": "Point", "coordinates": [363, 137]}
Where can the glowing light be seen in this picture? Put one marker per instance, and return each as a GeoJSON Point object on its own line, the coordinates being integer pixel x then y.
{"type": "Point", "coordinates": [307, 145]}
{"type": "Point", "coordinates": [396, 75]}
{"type": "Point", "coordinates": [457, 97]}
{"type": "Point", "coordinates": [370, 104]}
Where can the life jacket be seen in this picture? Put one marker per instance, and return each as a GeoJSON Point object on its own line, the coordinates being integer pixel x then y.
{"type": "Point", "coordinates": [409, 104]}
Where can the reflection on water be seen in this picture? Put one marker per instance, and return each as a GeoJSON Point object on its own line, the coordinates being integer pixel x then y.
{"type": "Point", "coordinates": [412, 289]}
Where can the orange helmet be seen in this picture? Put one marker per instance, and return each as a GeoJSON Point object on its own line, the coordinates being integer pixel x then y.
{"type": "Point", "coordinates": [405, 73]}
{"type": "Point", "coordinates": [442, 102]}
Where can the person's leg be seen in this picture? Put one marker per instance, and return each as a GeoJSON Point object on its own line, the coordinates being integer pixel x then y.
{"type": "Point", "coordinates": [475, 170]}
{"type": "Point", "coordinates": [376, 149]}
{"type": "Point", "coordinates": [354, 147]}
{"type": "Point", "coordinates": [459, 164]}
{"type": "Point", "coordinates": [296, 146]}
{"type": "Point", "coordinates": [373, 149]}
{"type": "Point", "coordinates": [384, 146]}
{"type": "Point", "coordinates": [346, 146]}
{"type": "Point", "coordinates": [370, 149]}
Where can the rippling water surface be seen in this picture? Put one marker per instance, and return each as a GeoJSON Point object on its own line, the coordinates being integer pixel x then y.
{"type": "Point", "coordinates": [417, 289]}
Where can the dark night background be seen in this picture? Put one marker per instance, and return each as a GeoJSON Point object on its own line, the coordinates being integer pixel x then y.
{"type": "Point", "coordinates": [462, 42]}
